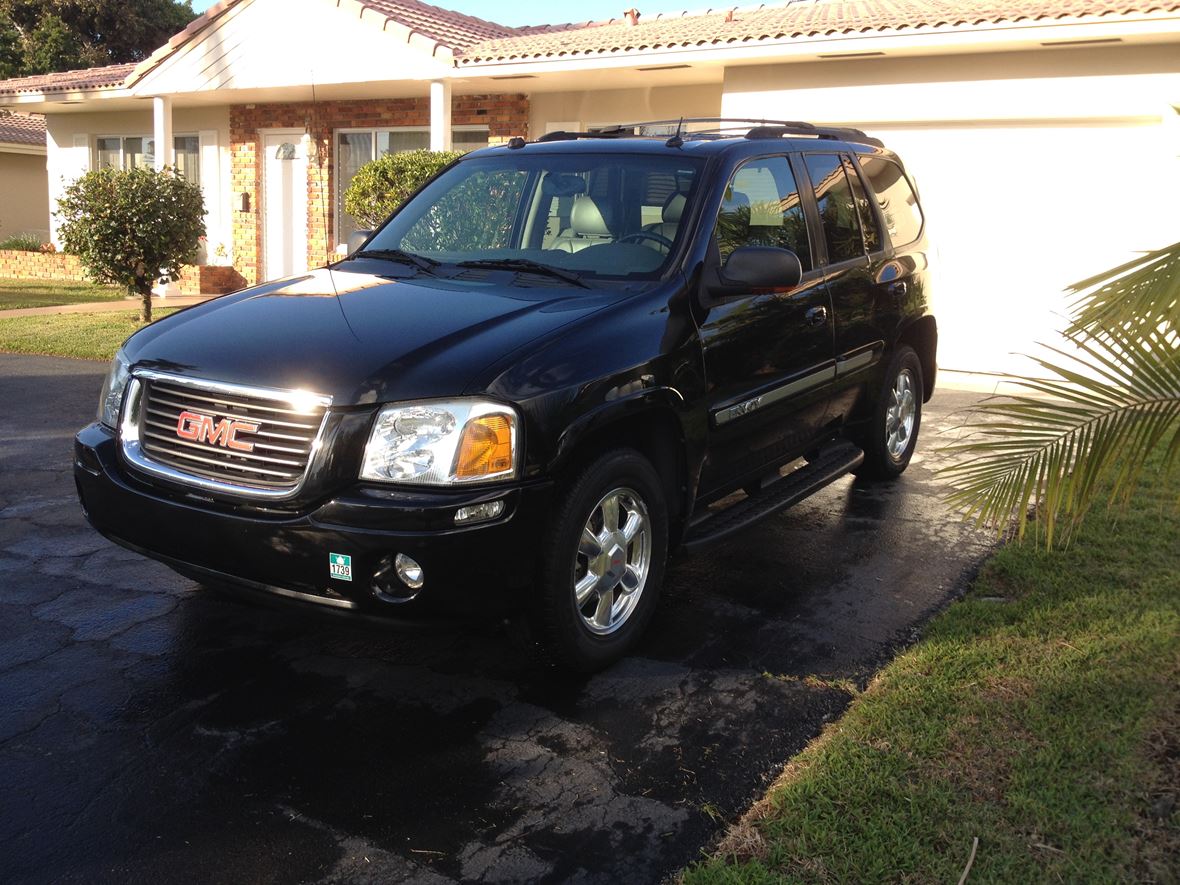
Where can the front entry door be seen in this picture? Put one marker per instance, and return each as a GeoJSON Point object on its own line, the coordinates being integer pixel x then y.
{"type": "Point", "coordinates": [768, 355]}
{"type": "Point", "coordinates": [284, 201]}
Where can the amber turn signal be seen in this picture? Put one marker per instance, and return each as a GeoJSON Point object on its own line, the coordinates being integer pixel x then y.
{"type": "Point", "coordinates": [486, 447]}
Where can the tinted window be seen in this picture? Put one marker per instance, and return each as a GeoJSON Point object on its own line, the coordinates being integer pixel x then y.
{"type": "Point", "coordinates": [895, 196]}
{"type": "Point", "coordinates": [868, 217]}
{"type": "Point", "coordinates": [761, 208]}
{"type": "Point", "coordinates": [837, 207]}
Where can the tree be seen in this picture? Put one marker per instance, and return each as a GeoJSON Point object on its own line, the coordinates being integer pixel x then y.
{"type": "Point", "coordinates": [382, 185]}
{"type": "Point", "coordinates": [131, 227]}
{"type": "Point", "coordinates": [42, 36]}
{"type": "Point", "coordinates": [1111, 402]}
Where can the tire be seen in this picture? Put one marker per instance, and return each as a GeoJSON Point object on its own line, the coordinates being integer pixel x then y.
{"type": "Point", "coordinates": [627, 568]}
{"type": "Point", "coordinates": [892, 433]}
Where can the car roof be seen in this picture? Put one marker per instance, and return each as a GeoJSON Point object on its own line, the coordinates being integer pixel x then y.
{"type": "Point", "coordinates": [577, 143]}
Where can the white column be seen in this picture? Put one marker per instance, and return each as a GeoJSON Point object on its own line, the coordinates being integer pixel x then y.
{"type": "Point", "coordinates": [440, 115]}
{"type": "Point", "coordinates": [162, 116]}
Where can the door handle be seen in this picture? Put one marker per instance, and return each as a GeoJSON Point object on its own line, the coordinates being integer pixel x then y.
{"type": "Point", "coordinates": [817, 316]}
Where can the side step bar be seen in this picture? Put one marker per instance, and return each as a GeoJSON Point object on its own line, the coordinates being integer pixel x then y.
{"type": "Point", "coordinates": [832, 463]}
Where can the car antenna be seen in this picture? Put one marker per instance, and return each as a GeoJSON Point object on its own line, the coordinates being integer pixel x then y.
{"type": "Point", "coordinates": [319, 161]}
{"type": "Point", "coordinates": [677, 140]}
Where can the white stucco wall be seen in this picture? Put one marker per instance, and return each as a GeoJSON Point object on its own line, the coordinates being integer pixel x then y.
{"type": "Point", "coordinates": [593, 107]}
{"type": "Point", "coordinates": [72, 140]}
{"type": "Point", "coordinates": [1036, 170]}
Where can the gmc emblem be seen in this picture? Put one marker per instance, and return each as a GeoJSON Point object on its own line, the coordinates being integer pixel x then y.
{"type": "Point", "coordinates": [224, 433]}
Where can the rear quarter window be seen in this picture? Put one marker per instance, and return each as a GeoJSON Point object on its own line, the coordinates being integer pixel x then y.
{"type": "Point", "coordinates": [896, 197]}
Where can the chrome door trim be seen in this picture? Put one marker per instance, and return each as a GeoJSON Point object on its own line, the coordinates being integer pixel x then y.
{"type": "Point", "coordinates": [791, 388]}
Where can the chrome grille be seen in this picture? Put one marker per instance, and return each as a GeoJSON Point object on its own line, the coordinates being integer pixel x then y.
{"type": "Point", "coordinates": [274, 434]}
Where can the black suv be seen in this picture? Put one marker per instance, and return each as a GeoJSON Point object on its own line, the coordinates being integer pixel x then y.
{"type": "Point", "coordinates": [555, 364]}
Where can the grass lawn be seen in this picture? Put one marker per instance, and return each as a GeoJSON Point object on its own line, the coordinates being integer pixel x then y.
{"type": "Point", "coordinates": [93, 336]}
{"type": "Point", "coordinates": [1040, 715]}
{"type": "Point", "coordinates": [16, 294]}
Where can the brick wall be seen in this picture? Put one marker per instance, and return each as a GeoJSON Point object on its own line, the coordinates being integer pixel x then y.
{"type": "Point", "coordinates": [40, 266]}
{"type": "Point", "coordinates": [204, 280]}
{"type": "Point", "coordinates": [504, 115]}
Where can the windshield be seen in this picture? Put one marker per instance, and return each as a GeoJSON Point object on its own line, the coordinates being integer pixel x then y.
{"type": "Point", "coordinates": [610, 216]}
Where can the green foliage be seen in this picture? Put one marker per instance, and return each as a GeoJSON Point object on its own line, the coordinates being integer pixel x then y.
{"type": "Point", "coordinates": [132, 226]}
{"type": "Point", "coordinates": [21, 243]}
{"type": "Point", "coordinates": [381, 186]}
{"type": "Point", "coordinates": [38, 37]}
{"type": "Point", "coordinates": [474, 216]}
{"type": "Point", "coordinates": [1110, 400]}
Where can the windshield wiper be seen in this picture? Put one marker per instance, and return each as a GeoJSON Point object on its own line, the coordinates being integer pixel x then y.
{"type": "Point", "coordinates": [528, 265]}
{"type": "Point", "coordinates": [419, 261]}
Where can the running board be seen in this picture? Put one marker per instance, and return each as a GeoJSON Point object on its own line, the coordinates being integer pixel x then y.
{"type": "Point", "coordinates": [832, 463]}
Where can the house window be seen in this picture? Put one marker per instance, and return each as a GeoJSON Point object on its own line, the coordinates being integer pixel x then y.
{"type": "Point", "coordinates": [139, 152]}
{"type": "Point", "coordinates": [356, 147]}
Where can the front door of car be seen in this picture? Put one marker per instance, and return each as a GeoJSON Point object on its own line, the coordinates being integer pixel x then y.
{"type": "Point", "coordinates": [768, 354]}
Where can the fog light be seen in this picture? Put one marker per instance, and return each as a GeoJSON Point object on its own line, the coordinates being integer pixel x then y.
{"type": "Point", "coordinates": [479, 512]}
{"type": "Point", "coordinates": [409, 571]}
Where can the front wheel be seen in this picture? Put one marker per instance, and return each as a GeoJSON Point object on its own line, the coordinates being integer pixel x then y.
{"type": "Point", "coordinates": [603, 562]}
{"type": "Point", "coordinates": [897, 415]}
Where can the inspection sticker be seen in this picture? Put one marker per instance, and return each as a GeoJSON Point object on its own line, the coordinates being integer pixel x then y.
{"type": "Point", "coordinates": [340, 566]}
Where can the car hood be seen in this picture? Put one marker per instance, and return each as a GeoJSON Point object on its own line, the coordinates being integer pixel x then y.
{"type": "Point", "coordinates": [358, 337]}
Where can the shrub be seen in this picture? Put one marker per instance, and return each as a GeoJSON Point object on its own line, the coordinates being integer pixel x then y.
{"type": "Point", "coordinates": [384, 184]}
{"type": "Point", "coordinates": [22, 243]}
{"type": "Point", "coordinates": [131, 227]}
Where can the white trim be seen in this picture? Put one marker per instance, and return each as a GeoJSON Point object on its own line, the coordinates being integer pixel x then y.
{"type": "Point", "coordinates": [14, 147]}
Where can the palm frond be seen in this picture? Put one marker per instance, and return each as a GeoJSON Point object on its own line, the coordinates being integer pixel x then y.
{"type": "Point", "coordinates": [1102, 409]}
{"type": "Point", "coordinates": [1145, 291]}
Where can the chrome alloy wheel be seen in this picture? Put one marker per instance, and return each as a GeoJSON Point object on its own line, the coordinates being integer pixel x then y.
{"type": "Point", "coordinates": [899, 418]}
{"type": "Point", "coordinates": [613, 561]}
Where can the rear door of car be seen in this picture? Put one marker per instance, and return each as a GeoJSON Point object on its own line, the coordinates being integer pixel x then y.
{"type": "Point", "coordinates": [862, 278]}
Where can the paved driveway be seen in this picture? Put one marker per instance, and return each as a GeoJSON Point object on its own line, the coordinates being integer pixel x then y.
{"type": "Point", "coordinates": [150, 731]}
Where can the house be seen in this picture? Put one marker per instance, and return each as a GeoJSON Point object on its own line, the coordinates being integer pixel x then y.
{"type": "Point", "coordinates": [1043, 136]}
{"type": "Point", "coordinates": [24, 184]}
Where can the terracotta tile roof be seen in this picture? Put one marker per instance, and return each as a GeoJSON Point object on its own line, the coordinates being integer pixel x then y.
{"type": "Point", "coordinates": [793, 20]}
{"type": "Point", "coordinates": [22, 129]}
{"type": "Point", "coordinates": [452, 29]}
{"type": "Point", "coordinates": [109, 77]}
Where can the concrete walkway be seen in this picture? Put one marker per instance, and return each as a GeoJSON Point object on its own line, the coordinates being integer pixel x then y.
{"type": "Point", "coordinates": [105, 306]}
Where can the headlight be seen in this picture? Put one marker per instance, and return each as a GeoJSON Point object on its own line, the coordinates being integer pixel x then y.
{"type": "Point", "coordinates": [111, 399]}
{"type": "Point", "coordinates": [442, 443]}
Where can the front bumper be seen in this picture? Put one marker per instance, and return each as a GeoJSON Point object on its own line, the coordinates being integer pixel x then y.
{"type": "Point", "coordinates": [477, 569]}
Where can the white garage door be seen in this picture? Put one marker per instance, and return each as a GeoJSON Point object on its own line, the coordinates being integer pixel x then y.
{"type": "Point", "coordinates": [1017, 213]}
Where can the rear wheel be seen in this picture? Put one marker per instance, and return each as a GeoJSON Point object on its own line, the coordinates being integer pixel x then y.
{"type": "Point", "coordinates": [603, 562]}
{"type": "Point", "coordinates": [892, 434]}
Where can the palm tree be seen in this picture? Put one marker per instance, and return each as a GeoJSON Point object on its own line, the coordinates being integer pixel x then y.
{"type": "Point", "coordinates": [1109, 402]}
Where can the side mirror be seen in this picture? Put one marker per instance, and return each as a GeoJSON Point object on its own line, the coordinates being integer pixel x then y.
{"type": "Point", "coordinates": [357, 238]}
{"type": "Point", "coordinates": [758, 267]}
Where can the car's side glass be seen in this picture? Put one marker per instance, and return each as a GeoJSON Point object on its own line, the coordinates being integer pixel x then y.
{"type": "Point", "coordinates": [837, 207]}
{"type": "Point", "coordinates": [476, 215]}
{"type": "Point", "coordinates": [895, 196]}
{"type": "Point", "coordinates": [761, 208]}
{"type": "Point", "coordinates": [868, 217]}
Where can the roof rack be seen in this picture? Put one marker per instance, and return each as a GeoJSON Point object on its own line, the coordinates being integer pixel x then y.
{"type": "Point", "coordinates": [725, 128]}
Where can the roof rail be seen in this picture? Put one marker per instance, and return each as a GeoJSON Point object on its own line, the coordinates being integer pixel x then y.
{"type": "Point", "coordinates": [725, 127]}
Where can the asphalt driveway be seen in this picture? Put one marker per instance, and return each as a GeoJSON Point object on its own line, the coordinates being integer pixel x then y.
{"type": "Point", "coordinates": [151, 731]}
